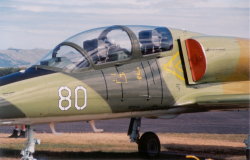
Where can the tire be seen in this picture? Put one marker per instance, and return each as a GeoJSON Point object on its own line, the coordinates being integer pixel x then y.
{"type": "Point", "coordinates": [149, 145]}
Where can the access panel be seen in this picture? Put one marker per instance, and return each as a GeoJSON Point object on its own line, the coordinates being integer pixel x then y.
{"type": "Point", "coordinates": [154, 82]}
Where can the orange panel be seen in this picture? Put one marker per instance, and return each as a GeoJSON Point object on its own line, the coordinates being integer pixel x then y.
{"type": "Point", "coordinates": [197, 59]}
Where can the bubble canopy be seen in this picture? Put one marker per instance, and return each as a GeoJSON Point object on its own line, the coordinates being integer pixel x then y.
{"type": "Point", "coordinates": [106, 45]}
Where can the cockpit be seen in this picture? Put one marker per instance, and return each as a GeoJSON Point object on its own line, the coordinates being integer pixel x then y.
{"type": "Point", "coordinates": [108, 44]}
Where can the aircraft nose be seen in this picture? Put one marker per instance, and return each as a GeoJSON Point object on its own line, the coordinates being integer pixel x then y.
{"type": "Point", "coordinates": [8, 97]}
{"type": "Point", "coordinates": [8, 110]}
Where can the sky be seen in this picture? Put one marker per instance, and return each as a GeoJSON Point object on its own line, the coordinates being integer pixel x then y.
{"type": "Point", "coordinates": [28, 24]}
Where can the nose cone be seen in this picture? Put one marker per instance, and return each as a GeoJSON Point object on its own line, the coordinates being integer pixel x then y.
{"type": "Point", "coordinates": [8, 110]}
{"type": "Point", "coordinates": [12, 92]}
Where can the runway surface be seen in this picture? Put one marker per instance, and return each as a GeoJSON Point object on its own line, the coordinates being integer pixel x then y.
{"type": "Point", "coordinates": [42, 155]}
{"type": "Point", "coordinates": [230, 122]}
{"type": "Point", "coordinates": [227, 122]}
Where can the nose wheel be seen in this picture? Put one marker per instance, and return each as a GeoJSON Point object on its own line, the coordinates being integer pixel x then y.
{"type": "Point", "coordinates": [148, 144]}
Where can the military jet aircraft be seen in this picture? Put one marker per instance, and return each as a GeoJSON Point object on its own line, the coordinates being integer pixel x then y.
{"type": "Point", "coordinates": [128, 71]}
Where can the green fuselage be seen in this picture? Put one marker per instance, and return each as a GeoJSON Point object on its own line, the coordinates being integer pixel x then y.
{"type": "Point", "coordinates": [150, 86]}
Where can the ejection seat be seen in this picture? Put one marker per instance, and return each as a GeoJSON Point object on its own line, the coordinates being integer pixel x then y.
{"type": "Point", "coordinates": [97, 50]}
{"type": "Point", "coordinates": [157, 40]}
{"type": "Point", "coordinates": [90, 46]}
{"type": "Point", "coordinates": [102, 50]}
{"type": "Point", "coordinates": [165, 39]}
{"type": "Point", "coordinates": [145, 38]}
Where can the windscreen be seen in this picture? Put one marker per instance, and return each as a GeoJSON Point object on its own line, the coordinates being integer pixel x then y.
{"type": "Point", "coordinates": [65, 57]}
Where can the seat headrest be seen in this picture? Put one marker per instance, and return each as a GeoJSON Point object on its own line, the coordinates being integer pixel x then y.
{"type": "Point", "coordinates": [145, 36]}
{"type": "Point", "coordinates": [166, 38]}
{"type": "Point", "coordinates": [90, 45]}
{"type": "Point", "coordinates": [162, 30]}
{"type": "Point", "coordinates": [165, 33]}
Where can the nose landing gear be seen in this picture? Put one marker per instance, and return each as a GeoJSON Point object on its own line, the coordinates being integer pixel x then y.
{"type": "Point", "coordinates": [148, 144]}
{"type": "Point", "coordinates": [27, 152]}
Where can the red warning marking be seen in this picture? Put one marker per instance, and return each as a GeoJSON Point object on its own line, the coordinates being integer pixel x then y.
{"type": "Point", "coordinates": [197, 59]}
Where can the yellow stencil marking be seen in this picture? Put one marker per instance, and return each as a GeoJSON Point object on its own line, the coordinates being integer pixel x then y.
{"type": "Point", "coordinates": [171, 66]}
{"type": "Point", "coordinates": [119, 78]}
{"type": "Point", "coordinates": [178, 67]}
{"type": "Point", "coordinates": [138, 73]}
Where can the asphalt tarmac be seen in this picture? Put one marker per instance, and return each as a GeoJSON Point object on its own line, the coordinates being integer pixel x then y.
{"type": "Point", "coordinates": [45, 155]}
{"type": "Point", "coordinates": [227, 122]}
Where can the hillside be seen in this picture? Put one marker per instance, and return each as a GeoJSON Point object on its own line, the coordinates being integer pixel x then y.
{"type": "Point", "coordinates": [20, 57]}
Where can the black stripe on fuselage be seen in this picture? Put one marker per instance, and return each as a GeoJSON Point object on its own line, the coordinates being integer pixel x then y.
{"type": "Point", "coordinates": [19, 76]}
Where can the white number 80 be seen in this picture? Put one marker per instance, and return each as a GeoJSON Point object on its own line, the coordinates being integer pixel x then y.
{"type": "Point", "coordinates": [67, 98]}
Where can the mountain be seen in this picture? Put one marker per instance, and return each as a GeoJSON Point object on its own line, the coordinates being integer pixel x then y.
{"type": "Point", "coordinates": [13, 57]}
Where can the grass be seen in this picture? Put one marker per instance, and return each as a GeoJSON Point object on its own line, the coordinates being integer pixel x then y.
{"type": "Point", "coordinates": [212, 145]}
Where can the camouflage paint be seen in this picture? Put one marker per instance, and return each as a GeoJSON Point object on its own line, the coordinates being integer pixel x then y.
{"type": "Point", "coordinates": [145, 86]}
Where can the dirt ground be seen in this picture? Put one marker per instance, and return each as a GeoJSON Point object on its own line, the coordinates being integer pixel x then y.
{"type": "Point", "coordinates": [117, 146]}
{"type": "Point", "coordinates": [216, 135]}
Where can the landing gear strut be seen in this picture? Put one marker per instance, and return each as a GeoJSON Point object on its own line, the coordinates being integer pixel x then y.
{"type": "Point", "coordinates": [134, 129]}
{"type": "Point", "coordinates": [27, 152]}
{"type": "Point", "coordinates": [148, 144]}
